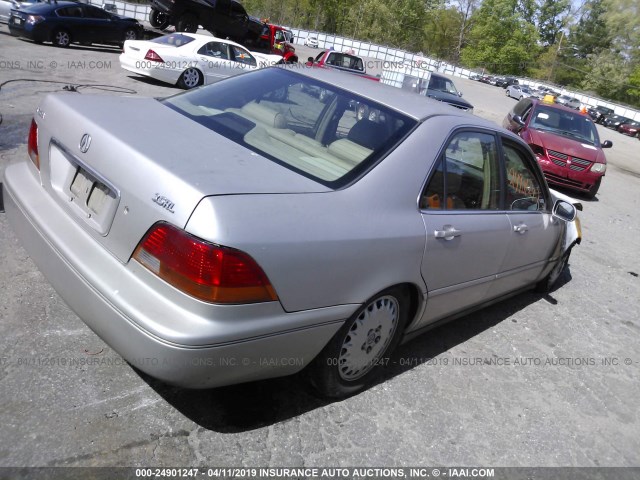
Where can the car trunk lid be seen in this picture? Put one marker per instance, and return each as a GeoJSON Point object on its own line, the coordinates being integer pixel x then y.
{"type": "Point", "coordinates": [138, 49]}
{"type": "Point", "coordinates": [120, 164]}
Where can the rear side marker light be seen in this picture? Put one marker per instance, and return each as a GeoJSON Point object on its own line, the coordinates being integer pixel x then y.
{"type": "Point", "coordinates": [206, 271]}
{"type": "Point", "coordinates": [32, 144]}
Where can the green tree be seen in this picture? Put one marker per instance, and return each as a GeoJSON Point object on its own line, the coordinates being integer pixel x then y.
{"type": "Point", "coordinates": [591, 35]}
{"type": "Point", "coordinates": [623, 21]}
{"type": "Point", "coordinates": [552, 18]}
{"type": "Point", "coordinates": [466, 8]}
{"type": "Point", "coordinates": [502, 39]}
{"type": "Point", "coordinates": [441, 33]}
{"type": "Point", "coordinates": [633, 89]}
{"type": "Point", "coordinates": [608, 76]}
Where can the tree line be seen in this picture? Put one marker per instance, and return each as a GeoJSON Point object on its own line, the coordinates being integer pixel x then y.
{"type": "Point", "coordinates": [592, 46]}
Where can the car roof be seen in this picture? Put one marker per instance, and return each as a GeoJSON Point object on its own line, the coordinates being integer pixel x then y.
{"type": "Point", "coordinates": [409, 103]}
{"type": "Point", "coordinates": [48, 6]}
{"type": "Point", "coordinates": [557, 106]}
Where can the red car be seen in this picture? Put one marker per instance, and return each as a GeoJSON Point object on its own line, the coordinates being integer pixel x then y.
{"type": "Point", "coordinates": [565, 142]}
{"type": "Point", "coordinates": [632, 129]}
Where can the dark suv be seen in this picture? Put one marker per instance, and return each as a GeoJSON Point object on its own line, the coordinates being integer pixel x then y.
{"type": "Point", "coordinates": [223, 18]}
{"type": "Point", "coordinates": [599, 113]}
{"type": "Point", "coordinates": [442, 88]}
{"type": "Point", "coordinates": [439, 88]}
{"type": "Point", "coordinates": [506, 82]}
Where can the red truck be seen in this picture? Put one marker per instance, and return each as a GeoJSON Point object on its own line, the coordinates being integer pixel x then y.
{"type": "Point", "coordinates": [275, 39]}
{"type": "Point", "coordinates": [340, 61]}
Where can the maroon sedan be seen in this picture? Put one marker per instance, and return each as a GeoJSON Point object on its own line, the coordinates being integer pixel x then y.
{"type": "Point", "coordinates": [565, 142]}
{"type": "Point", "coordinates": [632, 129]}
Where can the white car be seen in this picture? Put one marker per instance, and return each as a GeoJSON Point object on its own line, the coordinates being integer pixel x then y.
{"type": "Point", "coordinates": [7, 5]}
{"type": "Point", "coordinates": [189, 60]}
{"type": "Point", "coordinates": [311, 41]}
{"type": "Point", "coordinates": [519, 92]}
{"type": "Point", "coordinates": [568, 101]}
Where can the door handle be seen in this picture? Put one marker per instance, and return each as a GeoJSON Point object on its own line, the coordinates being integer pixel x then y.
{"type": "Point", "coordinates": [448, 232]}
{"type": "Point", "coordinates": [521, 229]}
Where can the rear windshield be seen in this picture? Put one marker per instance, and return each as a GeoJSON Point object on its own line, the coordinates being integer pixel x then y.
{"type": "Point", "coordinates": [345, 60]}
{"type": "Point", "coordinates": [324, 133]}
{"type": "Point", "coordinates": [175, 39]}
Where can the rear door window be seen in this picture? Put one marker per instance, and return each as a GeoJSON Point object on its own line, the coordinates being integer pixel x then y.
{"type": "Point", "coordinates": [467, 176]}
{"type": "Point", "coordinates": [70, 12]}
{"type": "Point", "coordinates": [97, 13]}
{"type": "Point", "coordinates": [215, 50]}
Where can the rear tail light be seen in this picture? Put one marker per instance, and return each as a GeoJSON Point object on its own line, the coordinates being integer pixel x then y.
{"type": "Point", "coordinates": [33, 19]}
{"type": "Point", "coordinates": [153, 56]}
{"type": "Point", "coordinates": [206, 271]}
{"type": "Point", "coordinates": [32, 144]}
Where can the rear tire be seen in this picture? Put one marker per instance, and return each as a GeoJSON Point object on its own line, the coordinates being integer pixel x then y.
{"type": "Point", "coordinates": [190, 78]}
{"type": "Point", "coordinates": [61, 38]}
{"type": "Point", "coordinates": [187, 23]}
{"type": "Point", "coordinates": [158, 19]}
{"type": "Point", "coordinates": [354, 356]}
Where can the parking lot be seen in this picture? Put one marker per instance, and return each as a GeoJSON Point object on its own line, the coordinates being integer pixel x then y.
{"type": "Point", "coordinates": [537, 380]}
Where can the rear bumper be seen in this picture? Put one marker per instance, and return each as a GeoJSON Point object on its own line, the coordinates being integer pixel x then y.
{"type": "Point", "coordinates": [208, 347]}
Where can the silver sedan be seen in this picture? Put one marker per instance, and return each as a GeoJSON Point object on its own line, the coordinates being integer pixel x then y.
{"type": "Point", "coordinates": [248, 230]}
{"type": "Point", "coordinates": [519, 92]}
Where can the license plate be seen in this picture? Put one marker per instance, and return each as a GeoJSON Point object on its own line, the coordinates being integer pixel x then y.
{"type": "Point", "coordinates": [90, 192]}
{"type": "Point", "coordinates": [17, 20]}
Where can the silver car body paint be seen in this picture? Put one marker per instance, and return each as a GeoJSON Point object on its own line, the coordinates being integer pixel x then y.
{"type": "Point", "coordinates": [325, 252]}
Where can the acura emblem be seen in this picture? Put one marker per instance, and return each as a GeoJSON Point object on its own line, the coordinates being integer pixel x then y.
{"type": "Point", "coordinates": [85, 143]}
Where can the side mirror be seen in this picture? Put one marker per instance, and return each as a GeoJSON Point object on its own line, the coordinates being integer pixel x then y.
{"type": "Point", "coordinates": [517, 119]}
{"type": "Point", "coordinates": [310, 59]}
{"type": "Point", "coordinates": [564, 211]}
{"type": "Point", "coordinates": [459, 94]}
{"type": "Point", "coordinates": [607, 144]}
